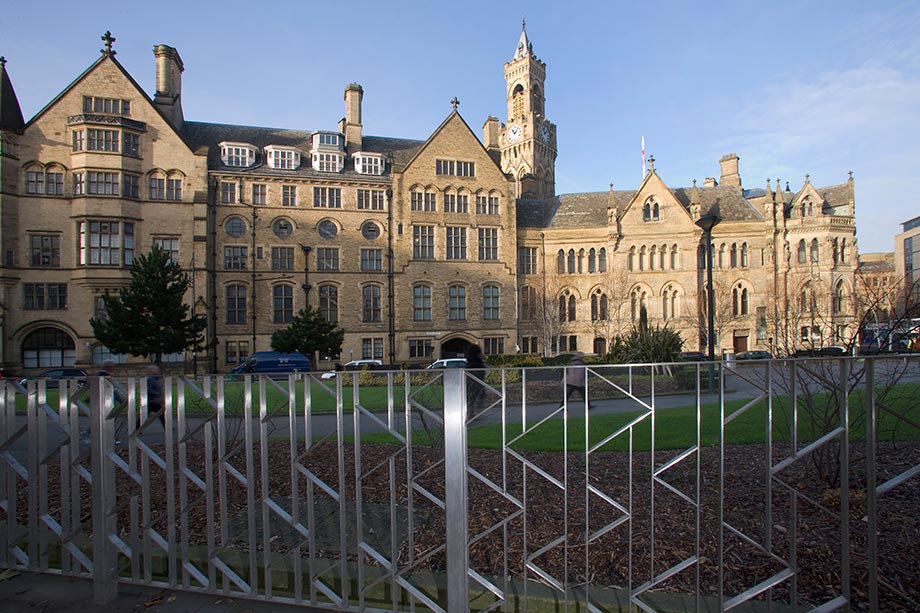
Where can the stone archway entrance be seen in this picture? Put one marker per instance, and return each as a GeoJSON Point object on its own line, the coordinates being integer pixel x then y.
{"type": "Point", "coordinates": [454, 348]}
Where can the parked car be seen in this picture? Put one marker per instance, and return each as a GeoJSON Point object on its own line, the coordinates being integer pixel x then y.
{"type": "Point", "coordinates": [755, 354]}
{"type": "Point", "coordinates": [821, 352]}
{"type": "Point", "coordinates": [273, 362]}
{"type": "Point", "coordinates": [53, 376]}
{"type": "Point", "coordinates": [691, 356]}
{"type": "Point", "coordinates": [352, 366]}
{"type": "Point", "coordinates": [448, 363]}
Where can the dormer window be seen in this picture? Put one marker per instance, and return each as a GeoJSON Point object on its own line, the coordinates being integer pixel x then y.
{"type": "Point", "coordinates": [369, 163]}
{"type": "Point", "coordinates": [328, 162]}
{"type": "Point", "coordinates": [328, 140]}
{"type": "Point", "coordinates": [237, 154]}
{"type": "Point", "coordinates": [283, 158]}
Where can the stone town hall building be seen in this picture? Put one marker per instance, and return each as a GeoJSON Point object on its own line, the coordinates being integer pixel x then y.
{"type": "Point", "coordinates": [415, 248]}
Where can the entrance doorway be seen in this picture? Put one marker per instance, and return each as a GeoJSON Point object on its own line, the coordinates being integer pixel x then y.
{"type": "Point", "coordinates": [454, 348]}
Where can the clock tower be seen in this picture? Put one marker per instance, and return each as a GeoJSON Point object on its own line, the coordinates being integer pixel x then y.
{"type": "Point", "coordinates": [528, 140]}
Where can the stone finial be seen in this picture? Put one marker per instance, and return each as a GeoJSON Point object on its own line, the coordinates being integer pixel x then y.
{"type": "Point", "coordinates": [611, 187]}
{"type": "Point", "coordinates": [651, 163]}
{"type": "Point", "coordinates": [787, 187]}
{"type": "Point", "coordinates": [454, 102]}
{"type": "Point", "coordinates": [849, 172]}
{"type": "Point", "coordinates": [694, 183]}
{"type": "Point", "coordinates": [108, 39]}
{"type": "Point", "coordinates": [807, 178]}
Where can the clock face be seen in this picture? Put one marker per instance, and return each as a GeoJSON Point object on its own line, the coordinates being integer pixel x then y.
{"type": "Point", "coordinates": [515, 133]}
{"type": "Point", "coordinates": [544, 133]}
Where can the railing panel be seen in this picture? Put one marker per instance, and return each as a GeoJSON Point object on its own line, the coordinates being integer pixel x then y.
{"type": "Point", "coordinates": [791, 487]}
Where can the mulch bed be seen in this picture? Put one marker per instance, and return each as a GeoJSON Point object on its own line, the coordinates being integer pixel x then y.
{"type": "Point", "coordinates": [626, 555]}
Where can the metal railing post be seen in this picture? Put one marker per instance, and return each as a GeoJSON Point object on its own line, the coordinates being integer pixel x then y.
{"type": "Point", "coordinates": [105, 580]}
{"type": "Point", "coordinates": [455, 477]}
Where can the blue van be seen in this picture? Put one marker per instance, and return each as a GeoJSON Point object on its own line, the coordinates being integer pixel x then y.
{"type": "Point", "coordinates": [273, 362]}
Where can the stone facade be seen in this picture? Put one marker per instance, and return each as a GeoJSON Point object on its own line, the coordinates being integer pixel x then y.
{"type": "Point", "coordinates": [416, 248]}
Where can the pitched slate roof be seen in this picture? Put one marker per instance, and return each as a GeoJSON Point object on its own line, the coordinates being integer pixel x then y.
{"type": "Point", "coordinates": [200, 134]}
{"type": "Point", "coordinates": [590, 209]}
{"type": "Point", "coordinates": [10, 111]}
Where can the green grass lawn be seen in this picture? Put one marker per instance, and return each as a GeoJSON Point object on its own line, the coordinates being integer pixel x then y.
{"type": "Point", "coordinates": [675, 428]}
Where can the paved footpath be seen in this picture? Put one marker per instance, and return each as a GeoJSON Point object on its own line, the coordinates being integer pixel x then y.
{"type": "Point", "coordinates": [27, 592]}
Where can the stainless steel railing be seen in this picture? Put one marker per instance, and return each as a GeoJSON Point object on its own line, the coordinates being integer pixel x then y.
{"type": "Point", "coordinates": [789, 488]}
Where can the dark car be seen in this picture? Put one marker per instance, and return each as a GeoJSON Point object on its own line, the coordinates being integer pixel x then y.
{"type": "Point", "coordinates": [691, 356]}
{"type": "Point", "coordinates": [756, 354]}
{"type": "Point", "coordinates": [273, 362]}
{"type": "Point", "coordinates": [53, 376]}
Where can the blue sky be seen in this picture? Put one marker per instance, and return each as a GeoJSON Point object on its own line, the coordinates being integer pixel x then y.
{"type": "Point", "coordinates": [792, 87]}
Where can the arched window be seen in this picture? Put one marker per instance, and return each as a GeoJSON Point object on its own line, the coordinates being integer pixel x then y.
{"type": "Point", "coordinates": [722, 255]}
{"type": "Point", "coordinates": [836, 247]}
{"type": "Point", "coordinates": [517, 102]}
{"type": "Point", "coordinates": [631, 259]}
{"type": "Point", "coordinates": [744, 301]}
{"type": "Point", "coordinates": [592, 260]}
{"type": "Point", "coordinates": [839, 298]}
{"type": "Point", "coordinates": [560, 262]}
{"type": "Point", "coordinates": [811, 209]}
{"type": "Point", "coordinates": [562, 303]}
{"type": "Point", "coordinates": [656, 212]}
{"type": "Point", "coordinates": [734, 255]}
{"type": "Point", "coordinates": [529, 306]}
{"type": "Point", "coordinates": [370, 303]}
{"type": "Point", "coordinates": [283, 303]}
{"type": "Point", "coordinates": [581, 261]}
{"type": "Point", "coordinates": [490, 296]}
{"type": "Point", "coordinates": [665, 299]}
{"type": "Point", "coordinates": [662, 257]}
{"type": "Point", "coordinates": [701, 257]}
{"type": "Point", "coordinates": [599, 306]}
{"type": "Point", "coordinates": [801, 252]}
{"type": "Point", "coordinates": [675, 305]}
{"type": "Point", "coordinates": [571, 261]}
{"type": "Point", "coordinates": [843, 251]}
{"type": "Point", "coordinates": [236, 304]}
{"type": "Point", "coordinates": [421, 303]}
{"type": "Point", "coordinates": [735, 302]}
{"type": "Point", "coordinates": [48, 348]}
{"type": "Point", "coordinates": [675, 259]}
{"type": "Point", "coordinates": [457, 302]}
{"type": "Point", "coordinates": [571, 314]}
{"type": "Point", "coordinates": [329, 302]}
{"type": "Point", "coordinates": [642, 258]}
{"type": "Point", "coordinates": [814, 250]}
{"type": "Point", "coordinates": [744, 255]}
{"type": "Point", "coordinates": [602, 260]}
{"type": "Point", "coordinates": [647, 212]}
{"type": "Point", "coordinates": [653, 257]}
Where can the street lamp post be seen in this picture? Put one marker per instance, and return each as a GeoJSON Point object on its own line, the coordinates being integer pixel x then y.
{"type": "Point", "coordinates": [306, 273]}
{"type": "Point", "coordinates": [707, 223]}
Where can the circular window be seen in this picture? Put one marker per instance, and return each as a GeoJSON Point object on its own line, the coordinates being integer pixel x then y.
{"type": "Point", "coordinates": [282, 228]}
{"type": "Point", "coordinates": [327, 229]}
{"type": "Point", "coordinates": [370, 231]}
{"type": "Point", "coordinates": [235, 227]}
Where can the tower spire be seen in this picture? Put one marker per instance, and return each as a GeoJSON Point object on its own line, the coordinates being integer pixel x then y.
{"type": "Point", "coordinates": [525, 47]}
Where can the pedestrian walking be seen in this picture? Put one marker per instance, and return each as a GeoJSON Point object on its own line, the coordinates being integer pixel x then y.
{"type": "Point", "coordinates": [155, 398]}
{"type": "Point", "coordinates": [475, 392]}
{"type": "Point", "coordinates": [576, 375]}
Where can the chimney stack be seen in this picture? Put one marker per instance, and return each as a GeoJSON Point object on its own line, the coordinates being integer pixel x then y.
{"type": "Point", "coordinates": [168, 97]}
{"type": "Point", "coordinates": [729, 166]}
{"type": "Point", "coordinates": [353, 97]}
